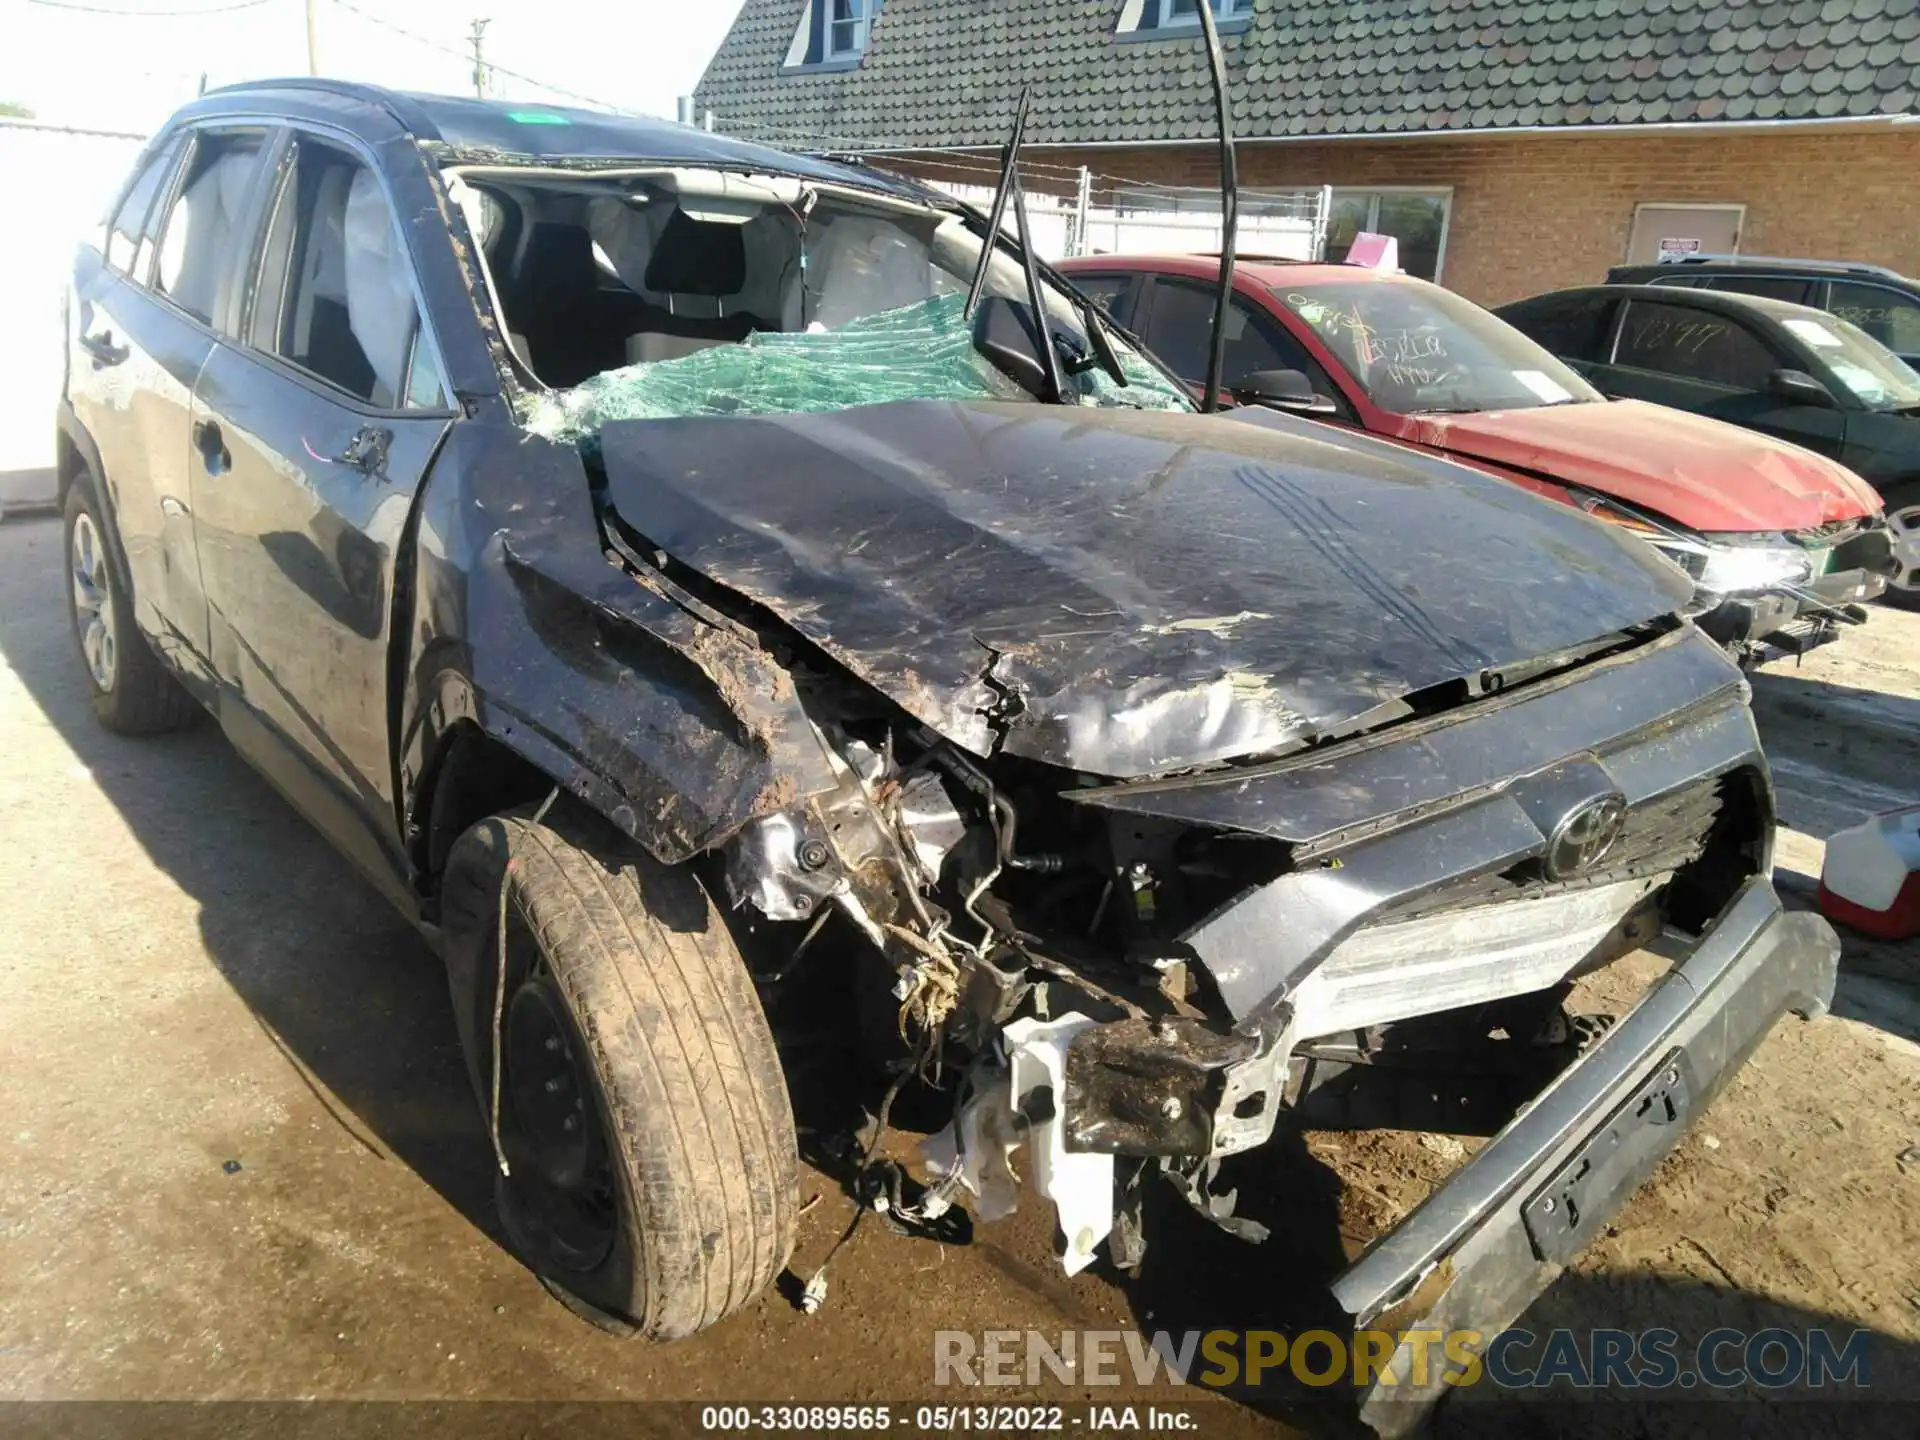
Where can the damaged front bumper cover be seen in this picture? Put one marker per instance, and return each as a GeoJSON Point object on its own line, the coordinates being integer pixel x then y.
{"type": "Point", "coordinates": [1483, 1246]}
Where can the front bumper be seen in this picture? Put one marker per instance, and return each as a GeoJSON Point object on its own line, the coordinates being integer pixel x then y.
{"type": "Point", "coordinates": [1481, 1248]}
{"type": "Point", "coordinates": [1792, 622]}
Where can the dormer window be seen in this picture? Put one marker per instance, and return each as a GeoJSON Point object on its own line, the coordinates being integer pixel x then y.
{"type": "Point", "coordinates": [832, 34]}
{"type": "Point", "coordinates": [848, 24]}
{"type": "Point", "coordinates": [1146, 18]}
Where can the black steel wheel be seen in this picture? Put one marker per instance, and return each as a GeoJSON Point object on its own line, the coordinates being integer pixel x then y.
{"type": "Point", "coordinates": [642, 1111]}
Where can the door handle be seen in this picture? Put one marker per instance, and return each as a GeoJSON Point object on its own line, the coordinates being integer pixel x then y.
{"type": "Point", "coordinates": [103, 350]}
{"type": "Point", "coordinates": [212, 446]}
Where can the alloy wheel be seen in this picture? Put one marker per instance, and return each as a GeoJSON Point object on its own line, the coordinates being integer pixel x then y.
{"type": "Point", "coordinates": [93, 602]}
{"type": "Point", "coordinates": [1905, 523]}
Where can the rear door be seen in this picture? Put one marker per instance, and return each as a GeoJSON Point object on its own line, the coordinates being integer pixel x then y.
{"type": "Point", "coordinates": [141, 328]}
{"type": "Point", "coordinates": [313, 425]}
{"type": "Point", "coordinates": [1715, 364]}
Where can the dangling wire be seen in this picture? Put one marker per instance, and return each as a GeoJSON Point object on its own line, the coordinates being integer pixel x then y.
{"type": "Point", "coordinates": [500, 985]}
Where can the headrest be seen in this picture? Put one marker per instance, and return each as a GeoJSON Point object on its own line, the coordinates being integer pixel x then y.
{"type": "Point", "coordinates": [694, 257]}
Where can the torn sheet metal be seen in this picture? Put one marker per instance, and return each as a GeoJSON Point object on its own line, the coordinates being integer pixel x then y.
{"type": "Point", "coordinates": [680, 731]}
{"type": "Point", "coordinates": [1120, 592]}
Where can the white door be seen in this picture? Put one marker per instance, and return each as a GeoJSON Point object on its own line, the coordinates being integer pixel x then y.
{"type": "Point", "coordinates": [1684, 230]}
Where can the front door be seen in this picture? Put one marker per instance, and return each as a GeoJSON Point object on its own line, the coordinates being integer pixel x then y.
{"type": "Point", "coordinates": [1671, 230]}
{"type": "Point", "coordinates": [310, 436]}
{"type": "Point", "coordinates": [1692, 358]}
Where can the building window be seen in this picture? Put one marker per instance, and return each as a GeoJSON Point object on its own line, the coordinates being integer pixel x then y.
{"type": "Point", "coordinates": [1148, 18]}
{"type": "Point", "coordinates": [832, 34]}
{"type": "Point", "coordinates": [848, 22]}
{"type": "Point", "coordinates": [1416, 218]}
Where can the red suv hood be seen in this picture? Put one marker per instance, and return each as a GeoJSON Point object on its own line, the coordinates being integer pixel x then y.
{"type": "Point", "coordinates": [1703, 473]}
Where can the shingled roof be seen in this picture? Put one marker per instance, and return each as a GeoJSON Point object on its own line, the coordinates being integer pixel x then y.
{"type": "Point", "coordinates": [945, 72]}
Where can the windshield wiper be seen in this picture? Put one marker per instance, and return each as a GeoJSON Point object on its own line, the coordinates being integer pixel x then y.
{"type": "Point", "coordinates": [1044, 352]}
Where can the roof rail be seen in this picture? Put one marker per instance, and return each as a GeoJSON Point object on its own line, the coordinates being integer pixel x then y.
{"type": "Point", "coordinates": [408, 115]}
{"type": "Point", "coordinates": [1853, 267]}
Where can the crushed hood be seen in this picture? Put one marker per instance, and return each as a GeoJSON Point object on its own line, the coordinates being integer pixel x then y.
{"type": "Point", "coordinates": [1120, 592]}
{"type": "Point", "coordinates": [1703, 473]}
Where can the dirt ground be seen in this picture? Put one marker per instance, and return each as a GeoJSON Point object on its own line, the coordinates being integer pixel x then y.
{"type": "Point", "coordinates": [239, 1161]}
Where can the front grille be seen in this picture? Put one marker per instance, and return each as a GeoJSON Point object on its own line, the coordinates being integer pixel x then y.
{"type": "Point", "coordinates": [1660, 836]}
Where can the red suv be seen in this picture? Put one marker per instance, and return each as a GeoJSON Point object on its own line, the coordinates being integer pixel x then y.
{"type": "Point", "coordinates": [1781, 543]}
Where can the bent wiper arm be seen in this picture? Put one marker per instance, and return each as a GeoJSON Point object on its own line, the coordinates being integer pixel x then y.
{"type": "Point", "coordinates": [1046, 351]}
{"type": "Point", "coordinates": [1096, 323]}
{"type": "Point", "coordinates": [1008, 156]}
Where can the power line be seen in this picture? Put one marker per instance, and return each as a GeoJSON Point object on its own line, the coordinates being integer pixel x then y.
{"type": "Point", "coordinates": [492, 69]}
{"type": "Point", "coordinates": [119, 14]}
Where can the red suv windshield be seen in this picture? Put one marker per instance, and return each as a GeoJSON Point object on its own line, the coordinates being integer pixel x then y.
{"type": "Point", "coordinates": [1416, 348]}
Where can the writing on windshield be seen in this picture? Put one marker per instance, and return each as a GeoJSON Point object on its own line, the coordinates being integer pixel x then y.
{"type": "Point", "coordinates": [1415, 347]}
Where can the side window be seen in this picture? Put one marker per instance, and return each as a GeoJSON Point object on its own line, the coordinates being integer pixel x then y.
{"type": "Point", "coordinates": [1771, 287]}
{"type": "Point", "coordinates": [1574, 327]}
{"type": "Point", "coordinates": [335, 288]}
{"type": "Point", "coordinates": [1112, 293]}
{"type": "Point", "coordinates": [1695, 345]}
{"type": "Point", "coordinates": [202, 227]}
{"type": "Point", "coordinates": [1180, 328]}
{"type": "Point", "coordinates": [1888, 316]}
{"type": "Point", "coordinates": [130, 220]}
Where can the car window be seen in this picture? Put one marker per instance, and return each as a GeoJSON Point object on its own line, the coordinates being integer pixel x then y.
{"type": "Point", "coordinates": [1574, 327]}
{"type": "Point", "coordinates": [1112, 293]}
{"type": "Point", "coordinates": [1888, 316]}
{"type": "Point", "coordinates": [130, 220]}
{"type": "Point", "coordinates": [202, 226]}
{"type": "Point", "coordinates": [1693, 344]}
{"type": "Point", "coordinates": [1772, 287]}
{"type": "Point", "coordinates": [334, 294]}
{"type": "Point", "coordinates": [1180, 332]}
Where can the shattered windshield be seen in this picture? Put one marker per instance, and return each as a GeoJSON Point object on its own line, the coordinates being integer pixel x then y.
{"type": "Point", "coordinates": [682, 306]}
{"type": "Point", "coordinates": [1418, 349]}
{"type": "Point", "coordinates": [1879, 379]}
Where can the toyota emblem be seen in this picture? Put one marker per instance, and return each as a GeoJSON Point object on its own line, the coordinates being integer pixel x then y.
{"type": "Point", "coordinates": [1584, 836]}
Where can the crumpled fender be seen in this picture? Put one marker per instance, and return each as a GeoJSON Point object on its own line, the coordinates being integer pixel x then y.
{"type": "Point", "coordinates": [678, 730]}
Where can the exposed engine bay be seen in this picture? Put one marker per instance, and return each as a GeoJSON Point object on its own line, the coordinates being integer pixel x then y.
{"type": "Point", "coordinates": [1056, 965]}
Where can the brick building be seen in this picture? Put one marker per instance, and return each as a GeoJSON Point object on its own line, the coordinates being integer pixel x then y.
{"type": "Point", "coordinates": [1512, 147]}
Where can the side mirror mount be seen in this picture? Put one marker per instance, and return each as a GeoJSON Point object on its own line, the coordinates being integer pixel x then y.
{"type": "Point", "coordinates": [1287, 390]}
{"type": "Point", "coordinates": [1797, 387]}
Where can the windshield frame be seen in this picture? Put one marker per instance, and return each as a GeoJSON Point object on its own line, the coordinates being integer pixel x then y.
{"type": "Point", "coordinates": [1488, 331]}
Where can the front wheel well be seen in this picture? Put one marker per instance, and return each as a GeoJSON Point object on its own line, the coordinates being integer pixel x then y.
{"type": "Point", "coordinates": [475, 776]}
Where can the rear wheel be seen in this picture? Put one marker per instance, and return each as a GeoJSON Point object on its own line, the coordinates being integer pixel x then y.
{"type": "Point", "coordinates": [642, 1108]}
{"type": "Point", "coordinates": [132, 691]}
{"type": "Point", "coordinates": [1903, 515]}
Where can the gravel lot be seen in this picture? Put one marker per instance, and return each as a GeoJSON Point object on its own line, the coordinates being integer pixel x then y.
{"type": "Point", "coordinates": [239, 1159]}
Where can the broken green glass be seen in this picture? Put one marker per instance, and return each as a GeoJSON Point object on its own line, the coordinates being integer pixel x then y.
{"type": "Point", "coordinates": [922, 351]}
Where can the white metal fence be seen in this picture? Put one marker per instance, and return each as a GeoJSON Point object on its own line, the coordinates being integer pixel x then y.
{"type": "Point", "coordinates": [62, 181]}
{"type": "Point", "coordinates": [1283, 224]}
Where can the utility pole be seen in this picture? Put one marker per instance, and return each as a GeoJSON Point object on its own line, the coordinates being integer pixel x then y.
{"type": "Point", "coordinates": [478, 39]}
{"type": "Point", "coordinates": [313, 51]}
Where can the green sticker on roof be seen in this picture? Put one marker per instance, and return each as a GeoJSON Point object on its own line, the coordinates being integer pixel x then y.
{"type": "Point", "coordinates": [537, 117]}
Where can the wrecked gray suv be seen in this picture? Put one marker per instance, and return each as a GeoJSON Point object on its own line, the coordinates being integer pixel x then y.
{"type": "Point", "coordinates": [638, 550]}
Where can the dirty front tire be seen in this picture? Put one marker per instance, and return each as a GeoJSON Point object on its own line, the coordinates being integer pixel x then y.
{"type": "Point", "coordinates": [668, 1202]}
{"type": "Point", "coordinates": [132, 692]}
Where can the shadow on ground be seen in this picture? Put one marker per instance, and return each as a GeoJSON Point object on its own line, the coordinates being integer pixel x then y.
{"type": "Point", "coordinates": [347, 991]}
